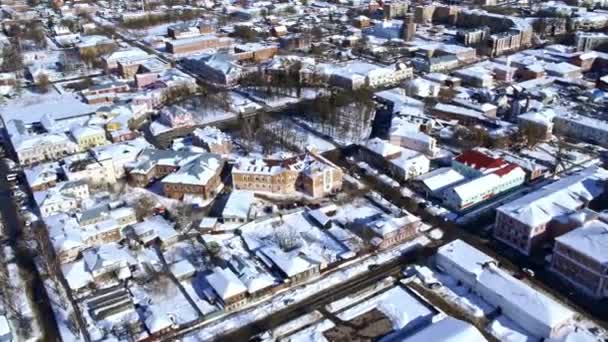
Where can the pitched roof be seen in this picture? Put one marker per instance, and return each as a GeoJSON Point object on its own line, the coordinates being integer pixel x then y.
{"type": "Point", "coordinates": [479, 160]}
{"type": "Point", "coordinates": [225, 283]}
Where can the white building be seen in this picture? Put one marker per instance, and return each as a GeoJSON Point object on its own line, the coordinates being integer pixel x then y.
{"type": "Point", "coordinates": [87, 167]}
{"type": "Point", "coordinates": [121, 153]}
{"type": "Point", "coordinates": [402, 162]}
{"type": "Point", "coordinates": [356, 74]}
{"type": "Point", "coordinates": [408, 135]}
{"type": "Point", "coordinates": [532, 310]}
{"type": "Point", "coordinates": [422, 88]}
{"type": "Point", "coordinates": [485, 187]}
{"type": "Point", "coordinates": [32, 148]}
{"type": "Point", "coordinates": [489, 176]}
{"type": "Point", "coordinates": [63, 197]}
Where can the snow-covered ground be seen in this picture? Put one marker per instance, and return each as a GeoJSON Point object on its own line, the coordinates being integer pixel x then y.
{"type": "Point", "coordinates": [283, 100]}
{"type": "Point", "coordinates": [132, 194]}
{"type": "Point", "coordinates": [299, 136]}
{"type": "Point", "coordinates": [162, 301]}
{"type": "Point", "coordinates": [296, 324]}
{"type": "Point", "coordinates": [259, 310]}
{"type": "Point", "coordinates": [506, 330]}
{"type": "Point", "coordinates": [314, 333]}
{"type": "Point", "coordinates": [63, 312]}
{"type": "Point", "coordinates": [401, 308]}
{"type": "Point", "coordinates": [22, 305]}
{"type": "Point", "coordinates": [342, 303]}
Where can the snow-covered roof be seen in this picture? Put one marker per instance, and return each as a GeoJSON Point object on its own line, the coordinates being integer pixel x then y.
{"type": "Point", "coordinates": [256, 281]}
{"type": "Point", "coordinates": [582, 120]}
{"type": "Point", "coordinates": [544, 117]}
{"type": "Point", "coordinates": [520, 295]}
{"type": "Point", "coordinates": [561, 68]}
{"type": "Point", "coordinates": [485, 182]}
{"type": "Point", "coordinates": [238, 204]}
{"type": "Point", "coordinates": [448, 329]}
{"type": "Point", "coordinates": [319, 216]}
{"type": "Point", "coordinates": [153, 227]}
{"type": "Point", "coordinates": [198, 172]}
{"type": "Point", "coordinates": [76, 274]}
{"type": "Point", "coordinates": [441, 178]}
{"type": "Point", "coordinates": [385, 225]}
{"type": "Point", "coordinates": [465, 256]}
{"type": "Point", "coordinates": [556, 199]}
{"type": "Point", "coordinates": [211, 135]}
{"type": "Point", "coordinates": [291, 265]}
{"type": "Point", "coordinates": [590, 240]}
{"type": "Point", "coordinates": [382, 147]}
{"type": "Point", "coordinates": [5, 329]}
{"type": "Point", "coordinates": [42, 173]}
{"type": "Point", "coordinates": [79, 132]}
{"type": "Point", "coordinates": [182, 268]}
{"type": "Point", "coordinates": [225, 283]}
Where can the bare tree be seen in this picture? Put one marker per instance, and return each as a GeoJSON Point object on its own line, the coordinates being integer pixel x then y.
{"type": "Point", "coordinates": [213, 248]}
{"type": "Point", "coordinates": [43, 82]}
{"type": "Point", "coordinates": [12, 60]}
{"type": "Point", "coordinates": [288, 238]}
{"type": "Point", "coordinates": [46, 249]}
{"type": "Point", "coordinates": [533, 134]}
{"type": "Point", "coordinates": [144, 206]}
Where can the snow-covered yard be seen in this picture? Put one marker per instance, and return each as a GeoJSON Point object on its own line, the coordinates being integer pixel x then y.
{"type": "Point", "coordinates": [402, 309]}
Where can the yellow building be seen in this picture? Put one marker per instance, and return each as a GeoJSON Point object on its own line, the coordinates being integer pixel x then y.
{"type": "Point", "coordinates": [88, 136]}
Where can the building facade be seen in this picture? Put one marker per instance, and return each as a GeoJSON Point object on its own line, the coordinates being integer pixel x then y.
{"type": "Point", "coordinates": [579, 258]}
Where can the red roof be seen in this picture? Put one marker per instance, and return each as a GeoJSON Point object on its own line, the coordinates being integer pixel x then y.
{"type": "Point", "coordinates": [505, 170]}
{"type": "Point", "coordinates": [479, 160]}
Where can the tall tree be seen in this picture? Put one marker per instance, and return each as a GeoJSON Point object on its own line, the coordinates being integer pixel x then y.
{"type": "Point", "coordinates": [12, 59]}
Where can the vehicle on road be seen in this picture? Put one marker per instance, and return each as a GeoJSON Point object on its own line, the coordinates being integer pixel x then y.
{"type": "Point", "coordinates": [528, 272]}
{"type": "Point", "coordinates": [11, 177]}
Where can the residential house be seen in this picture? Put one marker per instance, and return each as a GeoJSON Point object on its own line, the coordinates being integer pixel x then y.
{"type": "Point", "coordinates": [290, 265]}
{"type": "Point", "coordinates": [229, 289]}
{"type": "Point", "coordinates": [311, 172]}
{"type": "Point", "coordinates": [153, 164]}
{"type": "Point", "coordinates": [220, 69]}
{"type": "Point", "coordinates": [384, 231]}
{"type": "Point", "coordinates": [528, 222]}
{"type": "Point", "coordinates": [88, 136]}
{"type": "Point", "coordinates": [580, 258]}
{"type": "Point", "coordinates": [212, 139]}
{"type": "Point", "coordinates": [199, 178]}
{"type": "Point", "coordinates": [63, 197]}
{"type": "Point", "coordinates": [402, 163]}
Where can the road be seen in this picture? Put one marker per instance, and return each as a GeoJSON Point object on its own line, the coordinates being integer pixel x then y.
{"type": "Point", "coordinates": [13, 230]}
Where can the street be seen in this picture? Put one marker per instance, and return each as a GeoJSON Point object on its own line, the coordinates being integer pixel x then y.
{"type": "Point", "coordinates": [12, 231]}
